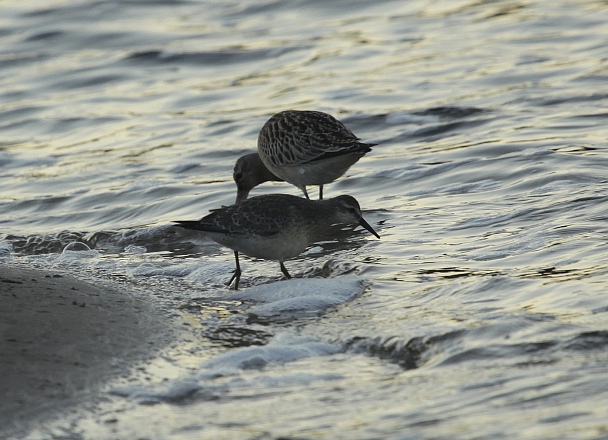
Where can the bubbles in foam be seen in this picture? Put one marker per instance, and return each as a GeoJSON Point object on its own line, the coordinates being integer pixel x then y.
{"type": "Point", "coordinates": [74, 254]}
{"type": "Point", "coordinates": [6, 249]}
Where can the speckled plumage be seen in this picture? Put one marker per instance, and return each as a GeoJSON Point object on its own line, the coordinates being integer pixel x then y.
{"type": "Point", "coordinates": [303, 148]}
{"type": "Point", "coordinates": [296, 137]}
{"type": "Point", "coordinates": [276, 226]}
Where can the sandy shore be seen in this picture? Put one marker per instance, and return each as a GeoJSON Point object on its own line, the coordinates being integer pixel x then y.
{"type": "Point", "coordinates": [62, 339]}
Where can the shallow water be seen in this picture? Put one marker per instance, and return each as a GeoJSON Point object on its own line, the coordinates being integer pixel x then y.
{"type": "Point", "coordinates": [481, 312]}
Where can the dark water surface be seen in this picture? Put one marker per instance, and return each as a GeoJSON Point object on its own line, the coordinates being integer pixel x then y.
{"type": "Point", "coordinates": [481, 313]}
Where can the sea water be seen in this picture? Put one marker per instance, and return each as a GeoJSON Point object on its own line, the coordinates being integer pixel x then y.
{"type": "Point", "coordinates": [480, 313]}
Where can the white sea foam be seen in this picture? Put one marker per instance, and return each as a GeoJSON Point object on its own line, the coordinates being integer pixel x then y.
{"type": "Point", "coordinates": [285, 347]}
{"type": "Point", "coordinates": [76, 254]}
{"type": "Point", "coordinates": [215, 272]}
{"type": "Point", "coordinates": [134, 249]}
{"type": "Point", "coordinates": [301, 295]}
{"type": "Point", "coordinates": [223, 374]}
{"type": "Point", "coordinates": [6, 249]}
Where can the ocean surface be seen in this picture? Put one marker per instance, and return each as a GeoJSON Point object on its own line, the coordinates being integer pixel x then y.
{"type": "Point", "coordinates": [482, 312]}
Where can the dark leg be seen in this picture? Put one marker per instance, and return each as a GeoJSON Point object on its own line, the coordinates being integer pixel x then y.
{"type": "Point", "coordinates": [284, 270]}
{"type": "Point", "coordinates": [320, 192]}
{"type": "Point", "coordinates": [237, 273]}
{"type": "Point", "coordinates": [305, 192]}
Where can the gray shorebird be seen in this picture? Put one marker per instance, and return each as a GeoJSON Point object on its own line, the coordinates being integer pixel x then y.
{"type": "Point", "coordinates": [276, 226]}
{"type": "Point", "coordinates": [302, 148]}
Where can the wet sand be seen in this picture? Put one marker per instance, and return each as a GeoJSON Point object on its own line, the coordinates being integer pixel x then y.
{"type": "Point", "coordinates": [63, 339]}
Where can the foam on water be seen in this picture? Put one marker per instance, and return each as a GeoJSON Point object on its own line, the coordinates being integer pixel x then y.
{"type": "Point", "coordinates": [214, 272]}
{"type": "Point", "coordinates": [285, 347]}
{"type": "Point", "coordinates": [222, 374]}
{"type": "Point", "coordinates": [75, 254]}
{"type": "Point", "coordinates": [301, 296]}
{"type": "Point", "coordinates": [6, 249]}
{"type": "Point", "coordinates": [135, 250]}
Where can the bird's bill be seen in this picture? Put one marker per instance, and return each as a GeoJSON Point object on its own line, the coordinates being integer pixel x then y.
{"type": "Point", "coordinates": [241, 195]}
{"type": "Point", "coordinates": [366, 225]}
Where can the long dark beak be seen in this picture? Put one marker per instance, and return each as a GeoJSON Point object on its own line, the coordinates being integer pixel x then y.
{"type": "Point", "coordinates": [366, 225]}
{"type": "Point", "coordinates": [241, 195]}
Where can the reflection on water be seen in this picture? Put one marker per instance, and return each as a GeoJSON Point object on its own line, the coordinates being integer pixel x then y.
{"type": "Point", "coordinates": [485, 294]}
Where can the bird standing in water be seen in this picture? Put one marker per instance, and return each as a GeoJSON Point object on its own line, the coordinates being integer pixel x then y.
{"type": "Point", "coordinates": [276, 226]}
{"type": "Point", "coordinates": [300, 147]}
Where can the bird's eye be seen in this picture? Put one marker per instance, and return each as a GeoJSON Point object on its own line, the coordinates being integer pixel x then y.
{"type": "Point", "coordinates": [238, 175]}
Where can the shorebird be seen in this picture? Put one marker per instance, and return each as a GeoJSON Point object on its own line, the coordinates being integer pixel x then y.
{"type": "Point", "coordinates": [275, 226]}
{"type": "Point", "coordinates": [302, 148]}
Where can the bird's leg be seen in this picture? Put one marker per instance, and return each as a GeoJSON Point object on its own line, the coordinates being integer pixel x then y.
{"type": "Point", "coordinates": [236, 276]}
{"type": "Point", "coordinates": [284, 270]}
{"type": "Point", "coordinates": [305, 192]}
{"type": "Point", "coordinates": [320, 192]}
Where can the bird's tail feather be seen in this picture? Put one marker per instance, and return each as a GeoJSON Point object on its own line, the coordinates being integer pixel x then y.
{"type": "Point", "coordinates": [198, 226]}
{"type": "Point", "coordinates": [188, 224]}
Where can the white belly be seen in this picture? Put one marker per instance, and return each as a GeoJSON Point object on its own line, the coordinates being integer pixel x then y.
{"type": "Point", "coordinates": [316, 173]}
{"type": "Point", "coordinates": [278, 247]}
